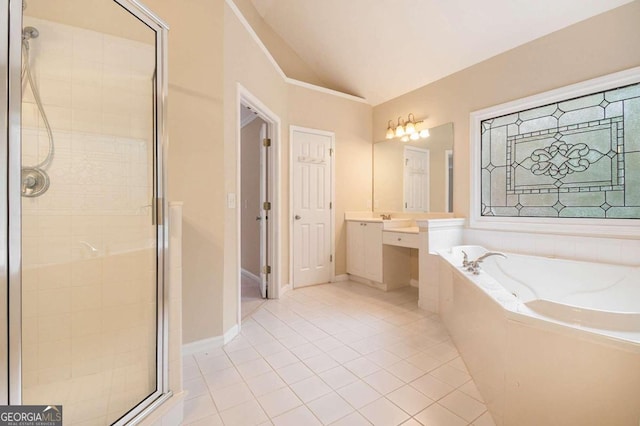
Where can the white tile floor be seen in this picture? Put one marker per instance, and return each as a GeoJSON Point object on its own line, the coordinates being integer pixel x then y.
{"type": "Point", "coordinates": [339, 354]}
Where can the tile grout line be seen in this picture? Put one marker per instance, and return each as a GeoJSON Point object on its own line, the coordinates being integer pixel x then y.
{"type": "Point", "coordinates": [320, 320]}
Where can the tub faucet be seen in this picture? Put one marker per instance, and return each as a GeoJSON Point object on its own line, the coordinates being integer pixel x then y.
{"type": "Point", "coordinates": [473, 266]}
{"type": "Point", "coordinates": [465, 259]}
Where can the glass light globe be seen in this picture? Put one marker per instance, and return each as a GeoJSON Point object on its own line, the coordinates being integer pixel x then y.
{"type": "Point", "coordinates": [390, 133]}
{"type": "Point", "coordinates": [410, 128]}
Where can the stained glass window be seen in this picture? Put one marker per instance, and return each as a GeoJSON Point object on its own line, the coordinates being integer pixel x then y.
{"type": "Point", "coordinates": [578, 158]}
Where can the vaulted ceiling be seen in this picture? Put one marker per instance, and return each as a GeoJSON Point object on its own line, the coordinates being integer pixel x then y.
{"type": "Point", "coordinates": [380, 49]}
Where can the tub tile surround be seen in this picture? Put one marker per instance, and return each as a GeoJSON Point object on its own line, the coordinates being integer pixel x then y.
{"type": "Point", "coordinates": [340, 354]}
{"type": "Point", "coordinates": [599, 249]}
{"type": "Point", "coordinates": [574, 379]}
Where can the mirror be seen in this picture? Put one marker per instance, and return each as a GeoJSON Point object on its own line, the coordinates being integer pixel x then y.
{"type": "Point", "coordinates": [414, 176]}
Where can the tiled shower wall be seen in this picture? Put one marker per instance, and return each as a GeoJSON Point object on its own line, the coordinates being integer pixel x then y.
{"type": "Point", "coordinates": [89, 255]}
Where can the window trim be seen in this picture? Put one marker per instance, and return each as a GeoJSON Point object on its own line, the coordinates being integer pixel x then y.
{"type": "Point", "coordinates": [626, 228]}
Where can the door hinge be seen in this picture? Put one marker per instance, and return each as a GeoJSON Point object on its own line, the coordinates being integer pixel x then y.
{"type": "Point", "coordinates": [330, 258]}
{"type": "Point", "coordinates": [266, 205]}
{"type": "Point", "coordinates": [266, 269]}
{"type": "Point", "coordinates": [405, 205]}
{"type": "Point", "coordinates": [330, 205]}
{"type": "Point", "coordinates": [330, 151]}
{"type": "Point", "coordinates": [266, 142]}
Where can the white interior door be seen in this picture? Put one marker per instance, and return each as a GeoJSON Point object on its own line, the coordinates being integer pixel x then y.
{"type": "Point", "coordinates": [416, 179]}
{"type": "Point", "coordinates": [311, 152]}
{"type": "Point", "coordinates": [264, 176]}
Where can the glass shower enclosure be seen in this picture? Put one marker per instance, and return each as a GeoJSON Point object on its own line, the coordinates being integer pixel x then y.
{"type": "Point", "coordinates": [82, 230]}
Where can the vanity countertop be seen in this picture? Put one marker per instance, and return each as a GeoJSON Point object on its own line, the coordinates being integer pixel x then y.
{"type": "Point", "coordinates": [406, 230]}
{"type": "Point", "coordinates": [393, 223]}
{"type": "Point", "coordinates": [375, 219]}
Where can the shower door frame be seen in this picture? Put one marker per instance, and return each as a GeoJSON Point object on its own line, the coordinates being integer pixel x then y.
{"type": "Point", "coordinates": [11, 210]}
{"type": "Point", "coordinates": [4, 207]}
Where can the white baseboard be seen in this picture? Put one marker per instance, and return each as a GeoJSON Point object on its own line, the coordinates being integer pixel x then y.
{"type": "Point", "coordinates": [210, 343]}
{"type": "Point", "coordinates": [374, 284]}
{"type": "Point", "coordinates": [340, 278]}
{"type": "Point", "coordinates": [203, 345]}
{"type": "Point", "coordinates": [169, 412]}
{"type": "Point", "coordinates": [285, 288]}
{"type": "Point", "coordinates": [231, 333]}
{"type": "Point", "coordinates": [250, 276]}
{"type": "Point", "coordinates": [413, 282]}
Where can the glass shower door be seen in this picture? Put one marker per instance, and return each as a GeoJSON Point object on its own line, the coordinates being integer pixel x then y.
{"type": "Point", "coordinates": [90, 264]}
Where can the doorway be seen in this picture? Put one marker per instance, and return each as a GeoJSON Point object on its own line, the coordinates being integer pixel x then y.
{"type": "Point", "coordinates": [254, 218]}
{"type": "Point", "coordinates": [258, 174]}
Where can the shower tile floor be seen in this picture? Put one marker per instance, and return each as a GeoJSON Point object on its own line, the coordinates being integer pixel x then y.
{"type": "Point", "coordinates": [335, 354]}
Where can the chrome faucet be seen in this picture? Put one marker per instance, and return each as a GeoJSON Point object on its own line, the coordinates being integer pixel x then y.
{"type": "Point", "coordinates": [473, 266]}
{"type": "Point", "coordinates": [385, 216]}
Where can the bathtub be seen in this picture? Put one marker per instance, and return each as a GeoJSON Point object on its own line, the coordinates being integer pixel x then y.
{"type": "Point", "coordinates": [548, 341]}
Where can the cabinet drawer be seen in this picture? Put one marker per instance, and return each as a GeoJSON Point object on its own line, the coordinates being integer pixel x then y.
{"type": "Point", "coordinates": [401, 239]}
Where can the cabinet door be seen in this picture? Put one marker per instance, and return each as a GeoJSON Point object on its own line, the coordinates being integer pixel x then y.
{"type": "Point", "coordinates": [372, 242]}
{"type": "Point", "coordinates": [355, 248]}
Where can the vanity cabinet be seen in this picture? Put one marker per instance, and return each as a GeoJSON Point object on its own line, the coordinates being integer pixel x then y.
{"type": "Point", "coordinates": [364, 250]}
{"type": "Point", "coordinates": [371, 261]}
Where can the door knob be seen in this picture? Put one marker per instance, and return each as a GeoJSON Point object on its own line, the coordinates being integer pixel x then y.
{"type": "Point", "coordinates": [259, 218]}
{"type": "Point", "coordinates": [297, 217]}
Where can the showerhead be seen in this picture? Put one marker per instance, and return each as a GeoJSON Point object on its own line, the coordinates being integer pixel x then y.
{"type": "Point", "coordinates": [29, 32]}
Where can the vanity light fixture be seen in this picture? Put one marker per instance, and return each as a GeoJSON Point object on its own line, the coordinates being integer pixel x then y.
{"type": "Point", "coordinates": [390, 131]}
{"type": "Point", "coordinates": [406, 130]}
{"type": "Point", "coordinates": [400, 127]}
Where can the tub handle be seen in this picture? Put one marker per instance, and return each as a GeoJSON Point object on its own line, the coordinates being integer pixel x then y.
{"type": "Point", "coordinates": [465, 259]}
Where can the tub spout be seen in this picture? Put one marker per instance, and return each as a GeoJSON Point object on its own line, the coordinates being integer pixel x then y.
{"type": "Point", "coordinates": [489, 254]}
{"type": "Point", "coordinates": [474, 265]}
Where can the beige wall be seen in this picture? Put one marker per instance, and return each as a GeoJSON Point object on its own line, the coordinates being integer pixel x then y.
{"type": "Point", "coordinates": [294, 105]}
{"type": "Point", "coordinates": [253, 70]}
{"type": "Point", "coordinates": [285, 56]}
{"type": "Point", "coordinates": [250, 201]}
{"type": "Point", "coordinates": [597, 46]}
{"type": "Point", "coordinates": [196, 169]}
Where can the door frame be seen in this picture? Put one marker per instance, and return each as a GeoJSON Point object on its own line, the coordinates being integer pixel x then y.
{"type": "Point", "coordinates": [332, 188]}
{"type": "Point", "coordinates": [274, 238]}
{"type": "Point", "coordinates": [448, 155]}
{"type": "Point", "coordinates": [4, 205]}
